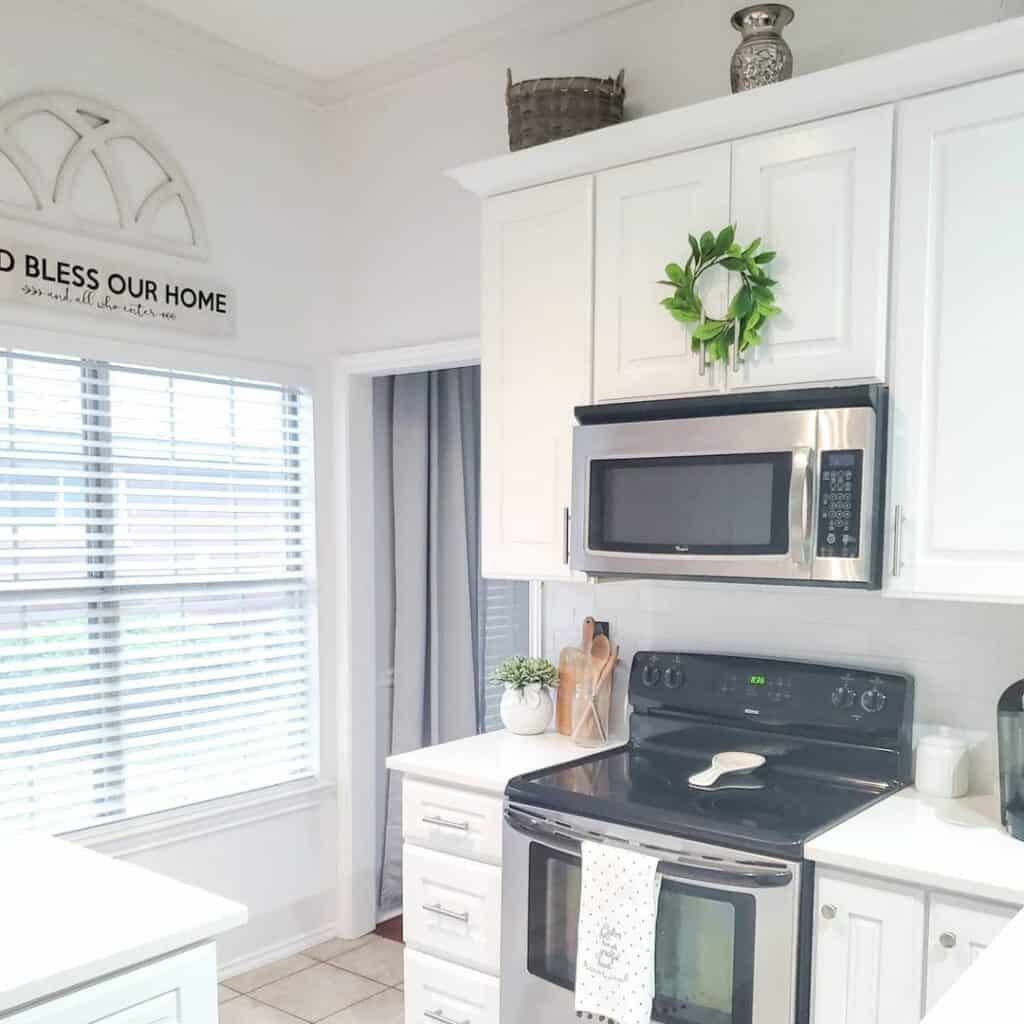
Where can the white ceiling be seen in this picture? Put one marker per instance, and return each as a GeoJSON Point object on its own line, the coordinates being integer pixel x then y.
{"type": "Point", "coordinates": [328, 39]}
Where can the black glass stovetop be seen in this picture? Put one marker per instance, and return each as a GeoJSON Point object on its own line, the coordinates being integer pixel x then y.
{"type": "Point", "coordinates": [834, 739]}
{"type": "Point", "coordinates": [773, 810]}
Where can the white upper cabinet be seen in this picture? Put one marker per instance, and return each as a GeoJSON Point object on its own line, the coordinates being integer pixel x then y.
{"type": "Point", "coordinates": [819, 195]}
{"type": "Point", "coordinates": [958, 461]}
{"type": "Point", "coordinates": [535, 368]}
{"type": "Point", "coordinates": [959, 931]}
{"type": "Point", "coordinates": [644, 213]}
{"type": "Point", "coordinates": [868, 938]}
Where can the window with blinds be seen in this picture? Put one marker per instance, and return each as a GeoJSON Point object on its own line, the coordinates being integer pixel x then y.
{"type": "Point", "coordinates": [156, 595]}
{"type": "Point", "coordinates": [504, 633]}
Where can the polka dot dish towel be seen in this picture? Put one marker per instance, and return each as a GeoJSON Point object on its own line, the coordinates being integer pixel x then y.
{"type": "Point", "coordinates": [615, 955]}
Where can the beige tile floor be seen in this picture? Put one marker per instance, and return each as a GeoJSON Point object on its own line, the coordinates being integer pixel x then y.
{"type": "Point", "coordinates": [341, 981]}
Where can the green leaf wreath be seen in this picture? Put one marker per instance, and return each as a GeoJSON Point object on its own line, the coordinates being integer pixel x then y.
{"type": "Point", "coordinates": [750, 307]}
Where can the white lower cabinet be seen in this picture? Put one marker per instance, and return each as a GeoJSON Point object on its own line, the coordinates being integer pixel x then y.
{"type": "Point", "coordinates": [958, 931]}
{"type": "Point", "coordinates": [885, 952]}
{"type": "Point", "coordinates": [452, 907]}
{"type": "Point", "coordinates": [178, 989]}
{"type": "Point", "coordinates": [452, 903]}
{"type": "Point", "coordinates": [867, 952]}
{"type": "Point", "coordinates": [441, 992]}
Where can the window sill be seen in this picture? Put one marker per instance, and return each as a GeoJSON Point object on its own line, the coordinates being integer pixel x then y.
{"type": "Point", "coordinates": [151, 831]}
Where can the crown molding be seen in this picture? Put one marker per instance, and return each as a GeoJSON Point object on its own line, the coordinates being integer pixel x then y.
{"type": "Point", "coordinates": [537, 18]}
{"type": "Point", "coordinates": [172, 33]}
{"type": "Point", "coordinates": [177, 35]}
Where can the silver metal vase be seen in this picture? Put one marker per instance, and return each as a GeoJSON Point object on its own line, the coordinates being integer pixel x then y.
{"type": "Point", "coordinates": [763, 56]}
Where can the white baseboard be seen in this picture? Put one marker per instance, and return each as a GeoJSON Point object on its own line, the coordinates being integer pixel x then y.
{"type": "Point", "coordinates": [278, 951]}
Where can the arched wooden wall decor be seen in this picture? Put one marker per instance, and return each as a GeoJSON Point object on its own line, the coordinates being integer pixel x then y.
{"type": "Point", "coordinates": [76, 163]}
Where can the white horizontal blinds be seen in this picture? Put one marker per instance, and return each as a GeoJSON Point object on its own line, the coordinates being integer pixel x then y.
{"type": "Point", "coordinates": [505, 633]}
{"type": "Point", "coordinates": [155, 641]}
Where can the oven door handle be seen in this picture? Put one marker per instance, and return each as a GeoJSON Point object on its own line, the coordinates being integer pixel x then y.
{"type": "Point", "coordinates": [746, 875]}
{"type": "Point", "coordinates": [801, 512]}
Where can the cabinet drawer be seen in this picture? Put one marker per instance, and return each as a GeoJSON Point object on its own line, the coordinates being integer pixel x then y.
{"type": "Point", "coordinates": [959, 931]}
{"type": "Point", "coordinates": [452, 820]}
{"type": "Point", "coordinates": [447, 991]}
{"type": "Point", "coordinates": [452, 907]}
{"type": "Point", "coordinates": [179, 989]}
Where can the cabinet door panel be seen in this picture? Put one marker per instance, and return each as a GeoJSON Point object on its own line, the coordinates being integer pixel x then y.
{"type": "Point", "coordinates": [819, 196]}
{"type": "Point", "coordinates": [958, 464]}
{"type": "Point", "coordinates": [452, 907]}
{"type": "Point", "coordinates": [959, 931]}
{"type": "Point", "coordinates": [644, 213]}
{"type": "Point", "coordinates": [868, 937]}
{"type": "Point", "coordinates": [535, 367]}
{"type": "Point", "coordinates": [440, 989]}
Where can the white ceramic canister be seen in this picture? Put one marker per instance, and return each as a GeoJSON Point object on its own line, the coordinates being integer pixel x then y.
{"type": "Point", "coordinates": [942, 764]}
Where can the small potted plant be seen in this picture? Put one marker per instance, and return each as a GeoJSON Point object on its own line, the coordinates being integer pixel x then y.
{"type": "Point", "coordinates": [526, 704]}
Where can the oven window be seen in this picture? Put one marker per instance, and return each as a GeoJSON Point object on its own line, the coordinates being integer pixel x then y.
{"type": "Point", "coordinates": [704, 948]}
{"type": "Point", "coordinates": [701, 504]}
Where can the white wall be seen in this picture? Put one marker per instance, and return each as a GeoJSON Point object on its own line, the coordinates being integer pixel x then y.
{"type": "Point", "coordinates": [257, 163]}
{"type": "Point", "coordinates": [409, 272]}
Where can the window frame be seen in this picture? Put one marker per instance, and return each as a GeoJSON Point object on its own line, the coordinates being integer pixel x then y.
{"type": "Point", "coordinates": [176, 824]}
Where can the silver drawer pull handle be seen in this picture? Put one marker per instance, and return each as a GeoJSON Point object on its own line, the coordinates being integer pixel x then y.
{"type": "Point", "coordinates": [431, 819]}
{"type": "Point", "coordinates": [829, 911]}
{"type": "Point", "coordinates": [455, 915]}
{"type": "Point", "coordinates": [947, 940]}
{"type": "Point", "coordinates": [437, 1015]}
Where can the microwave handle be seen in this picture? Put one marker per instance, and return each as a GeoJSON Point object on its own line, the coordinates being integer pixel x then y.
{"type": "Point", "coordinates": [801, 495]}
{"type": "Point", "coordinates": [566, 840]}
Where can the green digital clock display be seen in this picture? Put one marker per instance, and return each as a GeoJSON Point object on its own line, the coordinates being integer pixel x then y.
{"type": "Point", "coordinates": [758, 680]}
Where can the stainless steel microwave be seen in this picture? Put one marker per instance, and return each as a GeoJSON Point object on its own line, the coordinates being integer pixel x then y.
{"type": "Point", "coordinates": [785, 487]}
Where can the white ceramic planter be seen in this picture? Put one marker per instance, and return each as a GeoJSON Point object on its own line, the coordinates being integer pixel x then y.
{"type": "Point", "coordinates": [526, 712]}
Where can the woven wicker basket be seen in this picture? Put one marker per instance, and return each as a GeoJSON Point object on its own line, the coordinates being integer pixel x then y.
{"type": "Point", "coordinates": [542, 109]}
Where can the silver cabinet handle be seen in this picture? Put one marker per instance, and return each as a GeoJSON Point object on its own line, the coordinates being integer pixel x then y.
{"type": "Point", "coordinates": [432, 819]}
{"type": "Point", "coordinates": [440, 1018]}
{"type": "Point", "coordinates": [454, 915]}
{"type": "Point", "coordinates": [829, 911]}
{"type": "Point", "coordinates": [736, 361]}
{"type": "Point", "coordinates": [897, 540]}
{"type": "Point", "coordinates": [565, 536]}
{"type": "Point", "coordinates": [947, 940]}
{"type": "Point", "coordinates": [701, 353]}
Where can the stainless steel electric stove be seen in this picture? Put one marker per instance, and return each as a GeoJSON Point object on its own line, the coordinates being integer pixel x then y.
{"type": "Point", "coordinates": [733, 932]}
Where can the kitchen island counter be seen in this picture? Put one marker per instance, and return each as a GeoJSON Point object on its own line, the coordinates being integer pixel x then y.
{"type": "Point", "coordinates": [72, 916]}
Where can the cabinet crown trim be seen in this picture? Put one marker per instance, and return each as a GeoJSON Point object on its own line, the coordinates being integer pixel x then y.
{"type": "Point", "coordinates": [971, 56]}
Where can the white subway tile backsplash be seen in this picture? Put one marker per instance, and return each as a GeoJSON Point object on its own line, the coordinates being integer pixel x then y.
{"type": "Point", "coordinates": [962, 656]}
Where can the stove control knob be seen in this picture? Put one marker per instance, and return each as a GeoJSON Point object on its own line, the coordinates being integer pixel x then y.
{"type": "Point", "coordinates": [651, 675]}
{"type": "Point", "coordinates": [673, 678]}
{"type": "Point", "coordinates": [843, 697]}
{"type": "Point", "coordinates": [872, 700]}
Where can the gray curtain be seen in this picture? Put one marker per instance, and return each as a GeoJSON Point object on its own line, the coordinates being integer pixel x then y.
{"type": "Point", "coordinates": [428, 479]}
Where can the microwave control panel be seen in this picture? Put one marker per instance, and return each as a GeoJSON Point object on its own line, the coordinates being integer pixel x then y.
{"type": "Point", "coordinates": [839, 497]}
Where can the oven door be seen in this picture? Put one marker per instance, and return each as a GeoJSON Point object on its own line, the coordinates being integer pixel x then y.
{"type": "Point", "coordinates": [726, 945]}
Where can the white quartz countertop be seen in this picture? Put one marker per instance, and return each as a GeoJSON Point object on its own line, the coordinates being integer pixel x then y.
{"type": "Point", "coordinates": [488, 761]}
{"type": "Point", "coordinates": [956, 845]}
{"type": "Point", "coordinates": [69, 915]}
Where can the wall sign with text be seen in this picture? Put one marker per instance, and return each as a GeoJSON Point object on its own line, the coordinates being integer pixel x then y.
{"type": "Point", "coordinates": [45, 278]}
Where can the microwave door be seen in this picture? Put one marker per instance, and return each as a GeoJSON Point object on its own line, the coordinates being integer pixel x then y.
{"type": "Point", "coordinates": [728, 497]}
